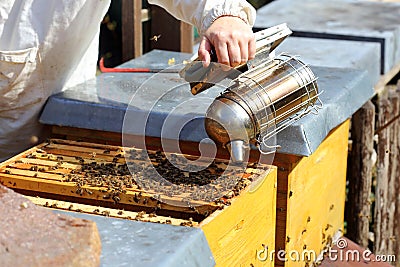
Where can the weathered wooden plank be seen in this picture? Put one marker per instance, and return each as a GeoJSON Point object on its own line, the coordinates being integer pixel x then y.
{"type": "Point", "coordinates": [392, 175]}
{"type": "Point", "coordinates": [382, 177]}
{"type": "Point", "coordinates": [359, 174]}
{"type": "Point", "coordinates": [397, 194]}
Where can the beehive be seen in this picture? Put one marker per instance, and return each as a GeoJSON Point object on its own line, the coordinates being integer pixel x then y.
{"type": "Point", "coordinates": [94, 178]}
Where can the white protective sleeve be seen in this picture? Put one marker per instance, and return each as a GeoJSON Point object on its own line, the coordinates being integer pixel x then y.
{"type": "Point", "coordinates": [202, 13]}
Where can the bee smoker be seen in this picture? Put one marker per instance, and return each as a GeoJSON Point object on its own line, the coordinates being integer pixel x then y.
{"type": "Point", "coordinates": [269, 94]}
{"type": "Point", "coordinates": [261, 102]}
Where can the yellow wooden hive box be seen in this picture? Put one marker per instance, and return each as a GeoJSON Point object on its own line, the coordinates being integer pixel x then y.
{"type": "Point", "coordinates": [311, 194]}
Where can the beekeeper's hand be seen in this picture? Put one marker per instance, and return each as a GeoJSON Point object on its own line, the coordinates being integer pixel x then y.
{"type": "Point", "coordinates": [232, 39]}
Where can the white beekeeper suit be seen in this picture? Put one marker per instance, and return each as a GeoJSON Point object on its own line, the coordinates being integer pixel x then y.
{"type": "Point", "coordinates": [49, 45]}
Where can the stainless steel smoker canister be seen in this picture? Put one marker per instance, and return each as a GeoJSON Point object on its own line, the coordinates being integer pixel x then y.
{"type": "Point", "coordinates": [261, 102]}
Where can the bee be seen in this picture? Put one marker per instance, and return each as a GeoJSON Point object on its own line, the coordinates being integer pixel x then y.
{"type": "Point", "coordinates": [88, 191]}
{"type": "Point", "coordinates": [79, 191]}
{"type": "Point", "coordinates": [116, 199]}
{"type": "Point", "coordinates": [31, 156]}
{"type": "Point", "coordinates": [105, 213]}
{"type": "Point", "coordinates": [155, 38]}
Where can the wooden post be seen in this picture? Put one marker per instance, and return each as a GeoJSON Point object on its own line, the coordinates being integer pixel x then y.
{"type": "Point", "coordinates": [172, 34]}
{"type": "Point", "coordinates": [384, 191]}
{"type": "Point", "coordinates": [392, 175]}
{"type": "Point", "coordinates": [359, 174]}
{"type": "Point", "coordinates": [131, 29]}
{"type": "Point", "coordinates": [380, 220]}
{"type": "Point", "coordinates": [186, 38]}
{"type": "Point", "coordinates": [397, 194]}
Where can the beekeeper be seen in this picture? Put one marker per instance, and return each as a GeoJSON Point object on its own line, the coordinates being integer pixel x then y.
{"type": "Point", "coordinates": [49, 45]}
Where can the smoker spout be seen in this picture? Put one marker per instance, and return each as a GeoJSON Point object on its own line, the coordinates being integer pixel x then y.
{"type": "Point", "coordinates": [238, 150]}
{"type": "Point", "coordinates": [228, 124]}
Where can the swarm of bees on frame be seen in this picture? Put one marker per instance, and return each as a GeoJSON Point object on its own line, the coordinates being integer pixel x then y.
{"type": "Point", "coordinates": [111, 179]}
{"type": "Point", "coordinates": [141, 173]}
